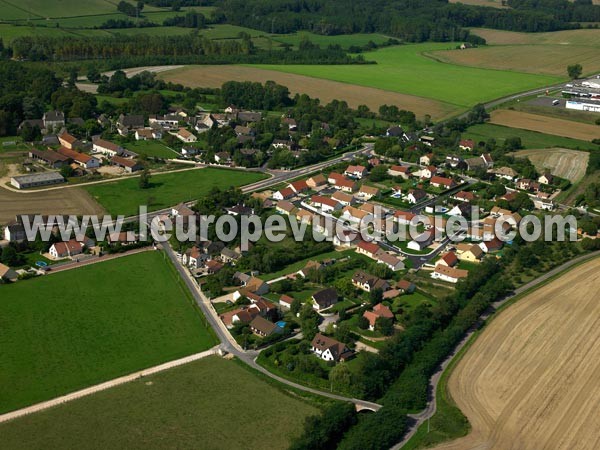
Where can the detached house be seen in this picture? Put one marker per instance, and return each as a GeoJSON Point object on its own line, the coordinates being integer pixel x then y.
{"type": "Point", "coordinates": [368, 283]}
{"type": "Point", "coordinates": [326, 204]}
{"type": "Point", "coordinates": [368, 192]}
{"type": "Point", "coordinates": [264, 328]}
{"type": "Point", "coordinates": [356, 172]}
{"type": "Point", "coordinates": [299, 186]}
{"type": "Point", "coordinates": [449, 274]}
{"type": "Point", "coordinates": [399, 171]}
{"type": "Point", "coordinates": [81, 159]}
{"type": "Point", "coordinates": [329, 349]}
{"type": "Point", "coordinates": [106, 148]}
{"type": "Point", "coordinates": [467, 145]}
{"type": "Point", "coordinates": [369, 249]}
{"type": "Point", "coordinates": [415, 196]}
{"type": "Point", "coordinates": [316, 181]}
{"type": "Point", "coordinates": [442, 182]}
{"type": "Point", "coordinates": [66, 249]}
{"type": "Point", "coordinates": [284, 194]}
{"type": "Point", "coordinates": [340, 182]}
{"type": "Point", "coordinates": [68, 141]}
{"type": "Point", "coordinates": [185, 136]}
{"type": "Point", "coordinates": [324, 299]}
{"type": "Point", "coordinates": [379, 310]}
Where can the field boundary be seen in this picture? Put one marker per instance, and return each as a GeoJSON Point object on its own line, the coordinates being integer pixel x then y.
{"type": "Point", "coordinates": [106, 385]}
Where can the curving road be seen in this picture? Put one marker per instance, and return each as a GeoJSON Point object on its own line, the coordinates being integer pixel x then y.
{"type": "Point", "coordinates": [230, 345]}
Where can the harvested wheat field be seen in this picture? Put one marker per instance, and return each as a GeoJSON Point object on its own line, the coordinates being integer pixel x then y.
{"type": "Point", "coordinates": [531, 379]}
{"type": "Point", "coordinates": [538, 59]}
{"type": "Point", "coordinates": [582, 37]}
{"type": "Point", "coordinates": [325, 90]}
{"type": "Point", "coordinates": [562, 162]}
{"type": "Point", "coordinates": [57, 201]}
{"type": "Point", "coordinates": [545, 124]}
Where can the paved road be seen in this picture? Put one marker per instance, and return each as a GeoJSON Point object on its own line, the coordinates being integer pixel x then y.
{"type": "Point", "coordinates": [431, 408]}
{"type": "Point", "coordinates": [230, 345]}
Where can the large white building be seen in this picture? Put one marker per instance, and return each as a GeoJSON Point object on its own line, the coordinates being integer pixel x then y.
{"type": "Point", "coordinates": [583, 105]}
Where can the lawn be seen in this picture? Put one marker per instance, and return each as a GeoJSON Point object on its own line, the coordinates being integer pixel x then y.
{"type": "Point", "coordinates": [211, 403]}
{"type": "Point", "coordinates": [295, 267]}
{"type": "Point", "coordinates": [529, 139]}
{"type": "Point", "coordinates": [125, 196]}
{"type": "Point", "coordinates": [344, 40]}
{"type": "Point", "coordinates": [406, 69]}
{"type": "Point", "coordinates": [152, 148]}
{"type": "Point", "coordinates": [65, 331]}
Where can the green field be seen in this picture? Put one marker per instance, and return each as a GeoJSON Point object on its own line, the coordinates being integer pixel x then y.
{"type": "Point", "coordinates": [65, 331]}
{"type": "Point", "coordinates": [211, 404]}
{"type": "Point", "coordinates": [529, 139]}
{"type": "Point", "coordinates": [407, 70]}
{"type": "Point", "coordinates": [125, 196]}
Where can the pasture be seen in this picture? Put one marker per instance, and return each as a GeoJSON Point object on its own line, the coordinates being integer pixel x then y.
{"type": "Point", "coordinates": [125, 196]}
{"type": "Point", "coordinates": [215, 402]}
{"type": "Point", "coordinates": [153, 148]}
{"type": "Point", "coordinates": [562, 162]}
{"type": "Point", "coordinates": [343, 40]}
{"type": "Point", "coordinates": [325, 90]}
{"type": "Point", "coordinates": [530, 378]}
{"type": "Point", "coordinates": [545, 124]}
{"type": "Point", "coordinates": [69, 330]}
{"type": "Point", "coordinates": [529, 139]}
{"type": "Point", "coordinates": [408, 69]}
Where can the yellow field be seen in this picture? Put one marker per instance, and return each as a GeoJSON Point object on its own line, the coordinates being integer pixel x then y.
{"type": "Point", "coordinates": [325, 90]}
{"type": "Point", "coordinates": [59, 201]}
{"type": "Point", "coordinates": [587, 38]}
{"type": "Point", "coordinates": [562, 162]}
{"type": "Point", "coordinates": [531, 379]}
{"type": "Point", "coordinates": [539, 53]}
{"type": "Point", "coordinates": [545, 124]}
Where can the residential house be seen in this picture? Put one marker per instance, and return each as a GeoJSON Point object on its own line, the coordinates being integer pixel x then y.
{"type": "Point", "coordinates": [182, 210]}
{"type": "Point", "coordinates": [310, 266]}
{"type": "Point", "coordinates": [223, 157]}
{"type": "Point", "coordinates": [284, 194]}
{"type": "Point", "coordinates": [369, 249]}
{"type": "Point", "coordinates": [53, 120]}
{"type": "Point", "coordinates": [147, 134]}
{"type": "Point", "coordinates": [326, 204]}
{"type": "Point", "coordinates": [291, 123]}
{"type": "Point", "coordinates": [285, 207]}
{"type": "Point", "coordinates": [467, 145]}
{"type": "Point", "coordinates": [185, 136]}
{"type": "Point", "coordinates": [449, 274]}
{"type": "Point", "coordinates": [507, 173]}
{"type": "Point", "coordinates": [212, 266]}
{"type": "Point", "coordinates": [193, 258]}
{"type": "Point", "coordinates": [491, 245]}
{"type": "Point", "coordinates": [316, 181]}
{"type": "Point", "coordinates": [330, 349]}
{"type": "Point", "coordinates": [442, 182]}
{"type": "Point", "coordinates": [66, 249]}
{"type": "Point", "coordinates": [130, 121]}
{"type": "Point", "coordinates": [379, 310]}
{"type": "Point", "coordinates": [107, 148]}
{"type": "Point", "coordinates": [454, 161]}
{"type": "Point", "coordinates": [405, 287]}
{"type": "Point", "coordinates": [426, 160]}
{"type": "Point", "coordinates": [484, 162]}
{"type": "Point", "coordinates": [464, 196]}
{"type": "Point", "coordinates": [368, 192]}
{"type": "Point", "coordinates": [469, 252]}
{"type": "Point", "coordinates": [324, 299]}
{"type": "Point", "coordinates": [343, 198]}
{"type": "Point", "coordinates": [304, 216]}
{"type": "Point", "coordinates": [264, 328]}
{"type": "Point", "coordinates": [428, 172]}
{"type": "Point", "coordinates": [429, 141]}
{"type": "Point", "coordinates": [404, 217]}
{"type": "Point", "coordinates": [285, 301]}
{"type": "Point", "coordinates": [243, 315]}
{"type": "Point", "coordinates": [422, 241]}
{"type": "Point", "coordinates": [546, 178]}
{"type": "Point", "coordinates": [395, 131]}
{"type": "Point", "coordinates": [339, 181]}
{"type": "Point", "coordinates": [299, 186]}
{"type": "Point", "coordinates": [354, 214]}
{"type": "Point", "coordinates": [416, 195]}
{"type": "Point", "coordinates": [391, 261]}
{"type": "Point", "coordinates": [357, 172]}
{"type": "Point", "coordinates": [528, 185]}
{"type": "Point", "coordinates": [369, 283]}
{"type": "Point", "coordinates": [229, 256]}
{"type": "Point", "coordinates": [399, 171]}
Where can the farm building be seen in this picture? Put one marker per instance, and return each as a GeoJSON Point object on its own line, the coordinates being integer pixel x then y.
{"type": "Point", "coordinates": [36, 180]}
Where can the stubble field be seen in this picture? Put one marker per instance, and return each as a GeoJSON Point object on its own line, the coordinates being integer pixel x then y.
{"type": "Point", "coordinates": [530, 380]}
{"type": "Point", "coordinates": [562, 162]}
{"type": "Point", "coordinates": [545, 124]}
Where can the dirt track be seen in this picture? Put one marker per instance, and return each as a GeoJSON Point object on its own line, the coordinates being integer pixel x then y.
{"type": "Point", "coordinates": [545, 124]}
{"type": "Point", "coordinates": [531, 381]}
{"type": "Point", "coordinates": [325, 90]}
{"type": "Point", "coordinates": [60, 201]}
{"type": "Point", "coordinates": [562, 162]}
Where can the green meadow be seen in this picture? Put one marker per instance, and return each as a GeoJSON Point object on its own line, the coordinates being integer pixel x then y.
{"type": "Point", "coordinates": [66, 331]}
{"type": "Point", "coordinates": [211, 404]}
{"type": "Point", "coordinates": [408, 70]}
{"type": "Point", "coordinates": [125, 196]}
